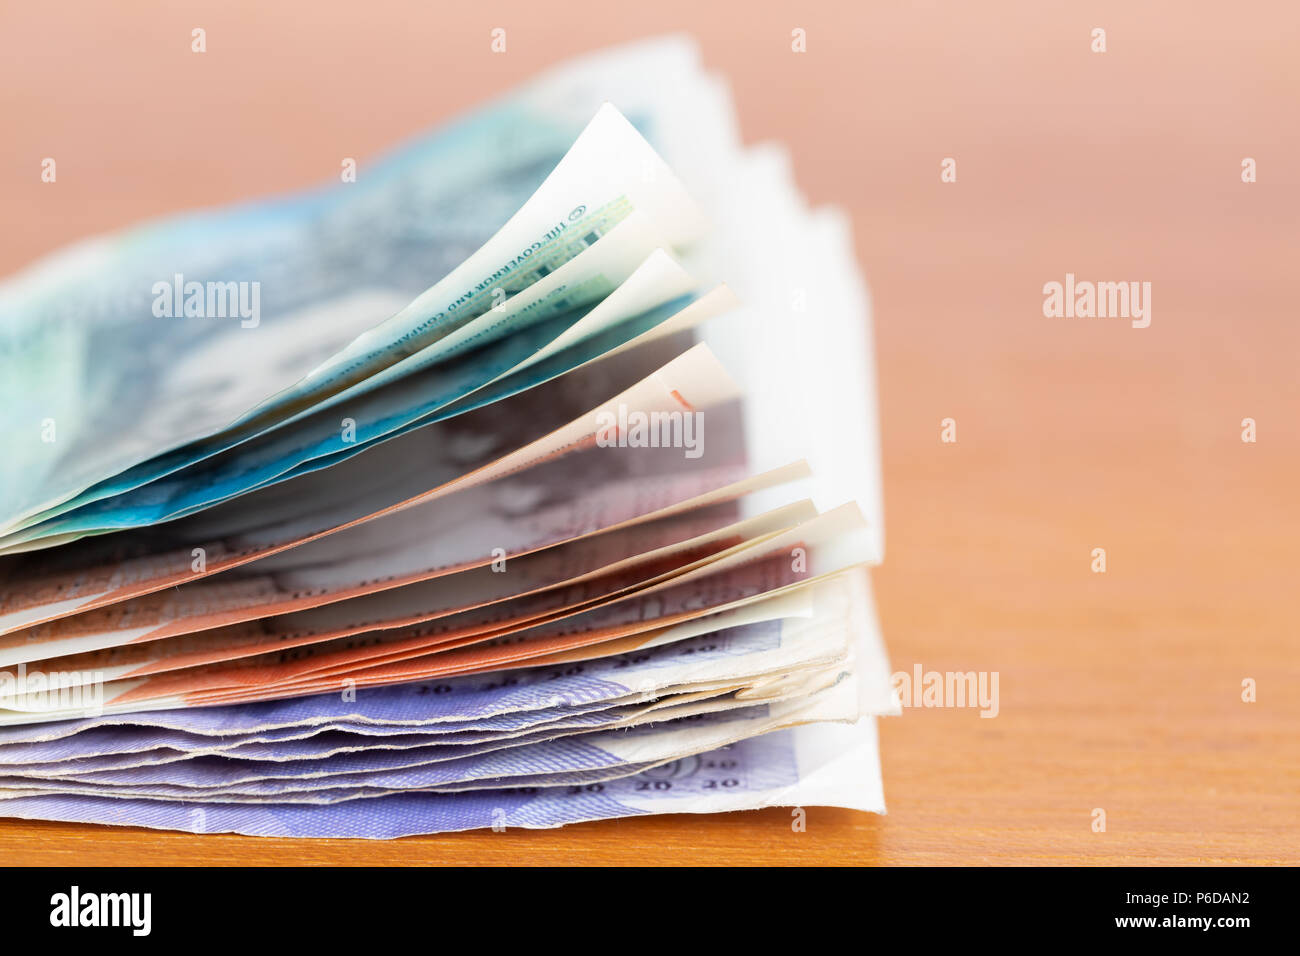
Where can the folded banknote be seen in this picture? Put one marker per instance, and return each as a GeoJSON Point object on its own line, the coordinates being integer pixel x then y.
{"type": "Point", "coordinates": [531, 478]}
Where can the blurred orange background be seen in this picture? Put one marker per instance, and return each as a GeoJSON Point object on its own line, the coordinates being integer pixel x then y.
{"type": "Point", "coordinates": [1119, 691]}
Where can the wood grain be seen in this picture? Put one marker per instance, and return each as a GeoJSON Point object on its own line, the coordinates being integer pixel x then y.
{"type": "Point", "coordinates": [1119, 691]}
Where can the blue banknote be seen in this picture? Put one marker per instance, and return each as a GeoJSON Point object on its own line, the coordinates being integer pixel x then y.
{"type": "Point", "coordinates": [125, 745]}
{"type": "Point", "coordinates": [75, 320]}
{"type": "Point", "coordinates": [297, 741]}
{"type": "Point", "coordinates": [590, 756]}
{"type": "Point", "coordinates": [772, 770]}
{"type": "Point", "coordinates": [280, 758]}
{"type": "Point", "coordinates": [425, 766]}
{"type": "Point", "coordinates": [318, 441]}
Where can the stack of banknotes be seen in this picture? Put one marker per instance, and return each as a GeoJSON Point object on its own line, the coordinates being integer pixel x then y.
{"type": "Point", "coordinates": [525, 477]}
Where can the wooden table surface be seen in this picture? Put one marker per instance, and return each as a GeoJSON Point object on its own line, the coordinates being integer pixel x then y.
{"type": "Point", "coordinates": [1120, 691]}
